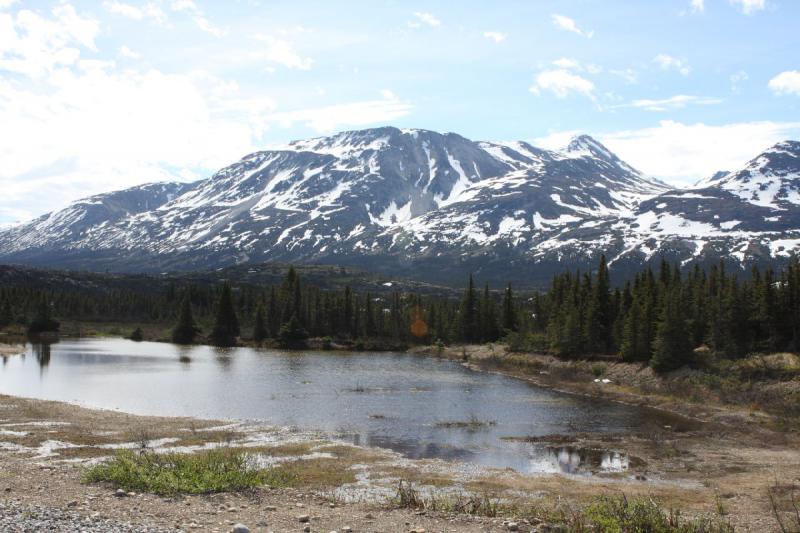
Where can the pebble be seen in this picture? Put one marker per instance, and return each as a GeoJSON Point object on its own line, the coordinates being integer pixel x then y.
{"type": "Point", "coordinates": [512, 526]}
{"type": "Point", "coordinates": [240, 528]}
{"type": "Point", "coordinates": [15, 516]}
{"type": "Point", "coordinates": [120, 493]}
{"type": "Point", "coordinates": [303, 518]}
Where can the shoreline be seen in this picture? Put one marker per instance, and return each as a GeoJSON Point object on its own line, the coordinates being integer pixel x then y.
{"type": "Point", "coordinates": [694, 469]}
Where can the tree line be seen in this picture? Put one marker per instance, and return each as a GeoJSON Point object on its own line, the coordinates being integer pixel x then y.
{"type": "Point", "coordinates": [659, 317]}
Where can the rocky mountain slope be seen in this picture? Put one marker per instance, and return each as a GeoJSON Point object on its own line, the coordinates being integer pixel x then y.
{"type": "Point", "coordinates": [427, 205]}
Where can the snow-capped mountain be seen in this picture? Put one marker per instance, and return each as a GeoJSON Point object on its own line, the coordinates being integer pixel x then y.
{"type": "Point", "coordinates": [428, 205]}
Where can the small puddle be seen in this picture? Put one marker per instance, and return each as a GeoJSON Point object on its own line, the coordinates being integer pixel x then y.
{"type": "Point", "coordinates": [580, 461]}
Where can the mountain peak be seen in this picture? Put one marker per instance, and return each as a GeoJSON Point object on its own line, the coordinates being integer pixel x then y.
{"type": "Point", "coordinates": [587, 143]}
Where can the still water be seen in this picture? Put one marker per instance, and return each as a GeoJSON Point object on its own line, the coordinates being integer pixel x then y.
{"type": "Point", "coordinates": [421, 407]}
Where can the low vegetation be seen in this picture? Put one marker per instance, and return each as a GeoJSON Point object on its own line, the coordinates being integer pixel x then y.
{"type": "Point", "coordinates": [218, 470]}
{"type": "Point", "coordinates": [616, 514]}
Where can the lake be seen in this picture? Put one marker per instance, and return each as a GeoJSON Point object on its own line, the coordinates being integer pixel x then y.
{"type": "Point", "coordinates": [422, 407]}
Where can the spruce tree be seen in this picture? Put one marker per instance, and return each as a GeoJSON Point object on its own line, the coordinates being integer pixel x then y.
{"type": "Point", "coordinates": [6, 314]}
{"type": "Point", "coordinates": [185, 330]}
{"type": "Point", "coordinates": [672, 348]}
{"type": "Point", "coordinates": [509, 312]}
{"type": "Point", "coordinates": [292, 334]}
{"type": "Point", "coordinates": [260, 331]}
{"type": "Point", "coordinates": [598, 316]}
{"type": "Point", "coordinates": [468, 315]}
{"type": "Point", "coordinates": [226, 325]}
{"type": "Point", "coordinates": [43, 321]}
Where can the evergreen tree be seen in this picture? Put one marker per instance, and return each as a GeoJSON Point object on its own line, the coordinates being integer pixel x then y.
{"type": "Point", "coordinates": [185, 330]}
{"type": "Point", "coordinates": [672, 347]}
{"type": "Point", "coordinates": [509, 312]}
{"type": "Point", "coordinates": [292, 334]}
{"type": "Point", "coordinates": [226, 325]}
{"type": "Point", "coordinates": [43, 321]}
{"type": "Point", "coordinates": [598, 316]}
{"type": "Point", "coordinates": [468, 327]}
{"type": "Point", "coordinates": [260, 331]}
{"type": "Point", "coordinates": [6, 314]}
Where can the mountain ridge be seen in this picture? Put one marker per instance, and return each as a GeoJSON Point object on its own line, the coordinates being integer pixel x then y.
{"type": "Point", "coordinates": [430, 205]}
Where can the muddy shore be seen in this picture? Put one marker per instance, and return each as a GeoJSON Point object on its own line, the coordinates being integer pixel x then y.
{"type": "Point", "coordinates": [726, 464]}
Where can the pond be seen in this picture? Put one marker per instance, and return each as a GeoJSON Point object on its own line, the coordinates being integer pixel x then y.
{"type": "Point", "coordinates": [419, 406]}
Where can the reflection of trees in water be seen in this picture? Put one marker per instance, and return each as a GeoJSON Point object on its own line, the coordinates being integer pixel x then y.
{"type": "Point", "coordinates": [41, 350]}
{"type": "Point", "coordinates": [223, 357]}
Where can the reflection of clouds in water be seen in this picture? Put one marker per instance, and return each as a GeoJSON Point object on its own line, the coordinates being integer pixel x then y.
{"type": "Point", "coordinates": [568, 460]}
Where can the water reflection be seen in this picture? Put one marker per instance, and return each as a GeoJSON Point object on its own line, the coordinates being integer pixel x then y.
{"type": "Point", "coordinates": [419, 407]}
{"type": "Point", "coordinates": [571, 460]}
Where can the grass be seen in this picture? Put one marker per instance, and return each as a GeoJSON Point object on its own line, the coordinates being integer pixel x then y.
{"type": "Point", "coordinates": [219, 470]}
{"type": "Point", "coordinates": [615, 514]}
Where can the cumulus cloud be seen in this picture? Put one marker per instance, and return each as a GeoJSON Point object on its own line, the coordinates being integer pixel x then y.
{"type": "Point", "coordinates": [787, 82]}
{"type": "Point", "coordinates": [281, 52]}
{"type": "Point", "coordinates": [495, 36]}
{"type": "Point", "coordinates": [682, 154]}
{"type": "Point", "coordinates": [34, 46]}
{"type": "Point", "coordinates": [568, 24]}
{"type": "Point", "coordinates": [330, 118]}
{"type": "Point", "coordinates": [561, 83]}
{"type": "Point", "coordinates": [668, 62]}
{"type": "Point", "coordinates": [749, 6]}
{"type": "Point", "coordinates": [428, 19]}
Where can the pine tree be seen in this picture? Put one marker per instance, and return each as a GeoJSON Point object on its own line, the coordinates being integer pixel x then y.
{"type": "Point", "coordinates": [43, 321]}
{"type": "Point", "coordinates": [292, 334]}
{"type": "Point", "coordinates": [468, 327]}
{"type": "Point", "coordinates": [598, 316]}
{"type": "Point", "coordinates": [6, 314]}
{"type": "Point", "coordinates": [509, 312]}
{"type": "Point", "coordinates": [672, 348]}
{"type": "Point", "coordinates": [260, 331]}
{"type": "Point", "coordinates": [226, 325]}
{"type": "Point", "coordinates": [185, 330]}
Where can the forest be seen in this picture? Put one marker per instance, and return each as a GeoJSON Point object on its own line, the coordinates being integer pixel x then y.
{"type": "Point", "coordinates": [660, 317]}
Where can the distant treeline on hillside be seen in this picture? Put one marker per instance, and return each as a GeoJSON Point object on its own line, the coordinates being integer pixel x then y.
{"type": "Point", "coordinates": [659, 317]}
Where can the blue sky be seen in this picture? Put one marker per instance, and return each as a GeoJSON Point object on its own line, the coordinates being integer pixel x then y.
{"type": "Point", "coordinates": [100, 95]}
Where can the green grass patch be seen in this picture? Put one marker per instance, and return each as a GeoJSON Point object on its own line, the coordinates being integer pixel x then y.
{"type": "Point", "coordinates": [219, 470]}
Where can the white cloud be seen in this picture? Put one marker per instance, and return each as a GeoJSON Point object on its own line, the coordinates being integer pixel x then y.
{"type": "Point", "coordinates": [697, 6]}
{"type": "Point", "coordinates": [787, 82]}
{"type": "Point", "coordinates": [629, 75]}
{"type": "Point", "coordinates": [749, 6]}
{"type": "Point", "coordinates": [197, 16]}
{"type": "Point", "coordinates": [429, 19]}
{"type": "Point", "coordinates": [737, 78]}
{"type": "Point", "coordinates": [4, 4]}
{"type": "Point", "coordinates": [561, 83]}
{"type": "Point", "coordinates": [682, 154]}
{"type": "Point", "coordinates": [80, 126]}
{"type": "Point", "coordinates": [149, 11]}
{"type": "Point", "coordinates": [331, 118]}
{"type": "Point", "coordinates": [126, 52]}
{"type": "Point", "coordinates": [34, 46]}
{"type": "Point", "coordinates": [668, 62]}
{"type": "Point", "coordinates": [568, 24]}
{"type": "Point", "coordinates": [567, 63]}
{"type": "Point", "coordinates": [673, 102]}
{"type": "Point", "coordinates": [495, 36]}
{"type": "Point", "coordinates": [281, 52]}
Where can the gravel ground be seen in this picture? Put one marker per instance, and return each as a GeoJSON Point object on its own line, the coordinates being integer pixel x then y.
{"type": "Point", "coordinates": [20, 518]}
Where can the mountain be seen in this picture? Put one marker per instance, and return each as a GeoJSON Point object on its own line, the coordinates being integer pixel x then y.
{"type": "Point", "coordinates": [427, 205]}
